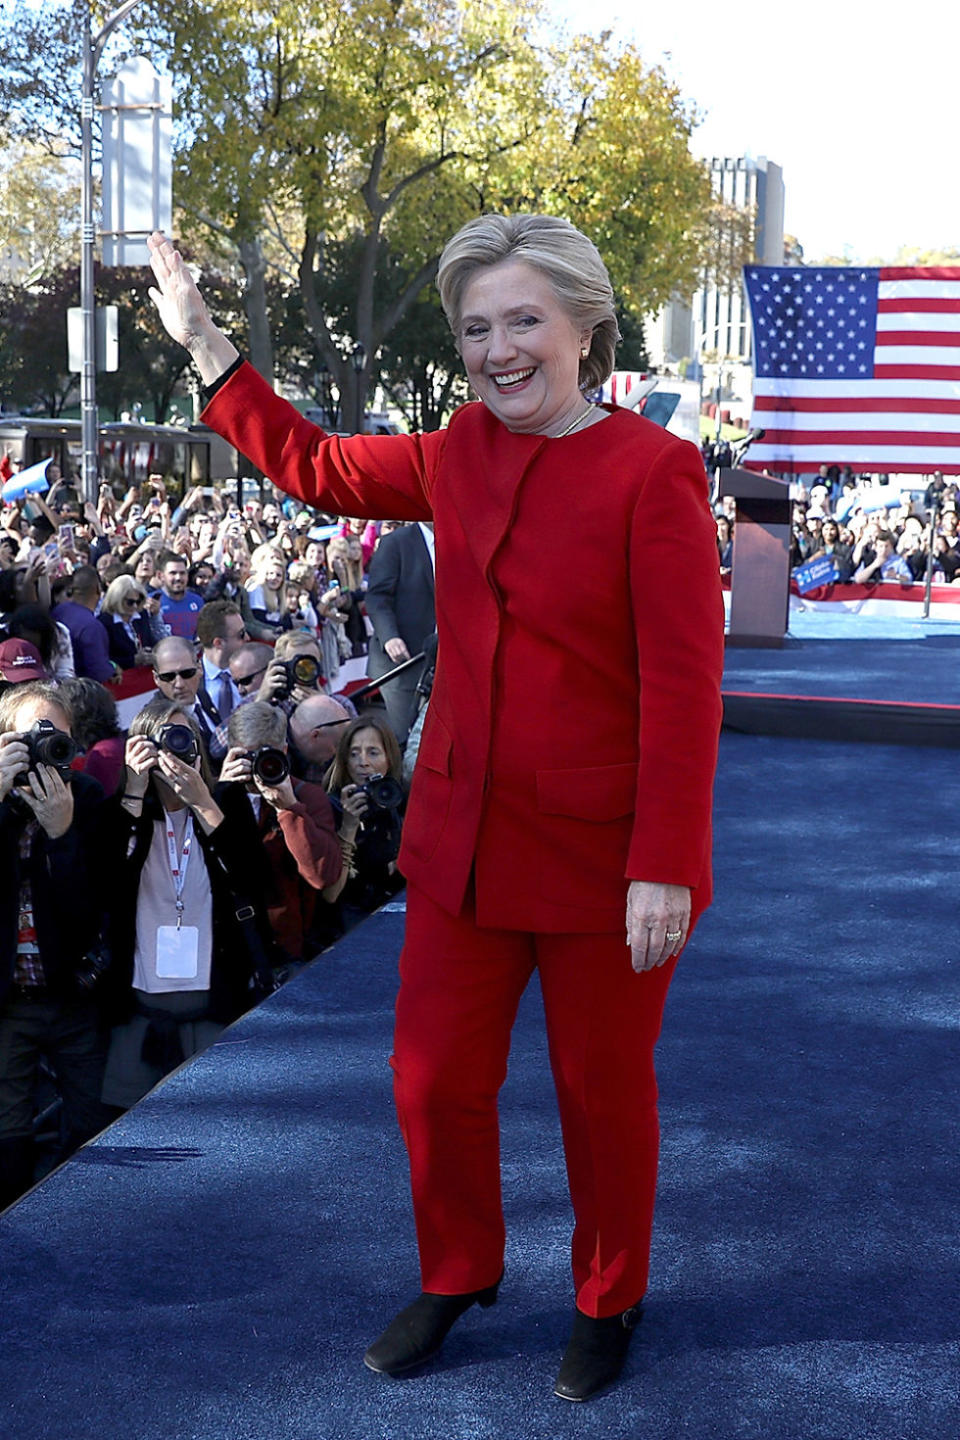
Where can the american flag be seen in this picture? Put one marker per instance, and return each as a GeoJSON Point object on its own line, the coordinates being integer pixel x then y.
{"type": "Point", "coordinates": [856, 366]}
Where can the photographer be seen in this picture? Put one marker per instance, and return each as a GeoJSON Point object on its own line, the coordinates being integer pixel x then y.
{"type": "Point", "coordinates": [50, 916]}
{"type": "Point", "coordinates": [184, 868]}
{"type": "Point", "coordinates": [364, 785]}
{"type": "Point", "coordinates": [295, 672]}
{"type": "Point", "coordinates": [296, 825]}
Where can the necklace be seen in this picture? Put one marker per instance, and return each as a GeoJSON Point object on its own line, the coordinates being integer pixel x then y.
{"type": "Point", "coordinates": [573, 425]}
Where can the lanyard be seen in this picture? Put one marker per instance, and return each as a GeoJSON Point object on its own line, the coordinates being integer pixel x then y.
{"type": "Point", "coordinates": [178, 865]}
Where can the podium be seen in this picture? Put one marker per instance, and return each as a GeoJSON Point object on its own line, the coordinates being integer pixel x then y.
{"type": "Point", "coordinates": [760, 577]}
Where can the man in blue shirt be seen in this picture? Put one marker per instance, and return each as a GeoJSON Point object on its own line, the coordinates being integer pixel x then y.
{"type": "Point", "coordinates": [91, 647]}
{"type": "Point", "coordinates": [179, 607]}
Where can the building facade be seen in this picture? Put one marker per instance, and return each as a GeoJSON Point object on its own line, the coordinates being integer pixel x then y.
{"type": "Point", "coordinates": [707, 338]}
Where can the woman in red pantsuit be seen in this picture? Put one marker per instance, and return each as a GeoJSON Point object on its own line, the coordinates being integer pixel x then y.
{"type": "Point", "coordinates": [518, 857]}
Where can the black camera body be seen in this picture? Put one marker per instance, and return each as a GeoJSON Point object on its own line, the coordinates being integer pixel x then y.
{"type": "Point", "coordinates": [301, 670]}
{"type": "Point", "coordinates": [48, 746]}
{"type": "Point", "coordinates": [178, 740]}
{"type": "Point", "coordinates": [269, 764]}
{"type": "Point", "coordinates": [383, 792]}
{"type": "Point", "coordinates": [93, 969]}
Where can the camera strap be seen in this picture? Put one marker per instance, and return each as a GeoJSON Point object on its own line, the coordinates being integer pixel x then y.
{"type": "Point", "coordinates": [179, 863]}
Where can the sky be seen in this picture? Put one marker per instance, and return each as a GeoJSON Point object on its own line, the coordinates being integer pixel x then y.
{"type": "Point", "coordinates": [857, 103]}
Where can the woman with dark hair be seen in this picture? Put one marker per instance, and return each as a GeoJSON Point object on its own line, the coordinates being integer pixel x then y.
{"type": "Point", "coordinates": [577, 846]}
{"type": "Point", "coordinates": [96, 729]}
{"type": "Point", "coordinates": [368, 817]}
{"type": "Point", "coordinates": [34, 623]}
{"type": "Point", "coordinates": [725, 544]}
{"type": "Point", "coordinates": [181, 866]}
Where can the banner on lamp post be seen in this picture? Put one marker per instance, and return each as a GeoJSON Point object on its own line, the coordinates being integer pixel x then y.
{"type": "Point", "coordinates": [137, 190]}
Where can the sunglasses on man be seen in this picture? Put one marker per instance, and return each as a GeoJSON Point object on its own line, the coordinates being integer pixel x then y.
{"type": "Point", "coordinates": [242, 681]}
{"type": "Point", "coordinates": [167, 676]}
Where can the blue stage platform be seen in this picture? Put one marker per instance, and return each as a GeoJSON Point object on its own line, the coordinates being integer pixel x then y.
{"type": "Point", "coordinates": [893, 681]}
{"type": "Point", "coordinates": [213, 1267]}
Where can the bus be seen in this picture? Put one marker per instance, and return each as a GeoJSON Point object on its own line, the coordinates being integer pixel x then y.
{"type": "Point", "coordinates": [130, 450]}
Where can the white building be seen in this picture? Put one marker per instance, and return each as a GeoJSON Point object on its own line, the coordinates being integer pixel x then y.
{"type": "Point", "coordinates": [707, 338]}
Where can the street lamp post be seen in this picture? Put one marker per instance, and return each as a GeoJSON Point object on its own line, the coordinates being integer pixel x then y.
{"type": "Point", "coordinates": [92, 51]}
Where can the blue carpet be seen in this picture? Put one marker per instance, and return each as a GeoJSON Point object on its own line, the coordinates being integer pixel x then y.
{"type": "Point", "coordinates": [216, 1264]}
{"type": "Point", "coordinates": [913, 669]}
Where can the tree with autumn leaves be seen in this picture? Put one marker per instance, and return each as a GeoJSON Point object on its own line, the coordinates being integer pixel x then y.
{"type": "Point", "coordinates": [337, 146]}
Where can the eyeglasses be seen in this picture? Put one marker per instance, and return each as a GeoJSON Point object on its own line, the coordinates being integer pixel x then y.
{"type": "Point", "coordinates": [167, 676]}
{"type": "Point", "coordinates": [134, 599]}
{"type": "Point", "coordinates": [242, 681]}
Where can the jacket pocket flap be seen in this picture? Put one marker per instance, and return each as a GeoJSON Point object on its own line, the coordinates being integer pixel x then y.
{"type": "Point", "coordinates": [602, 792]}
{"type": "Point", "coordinates": [435, 745]}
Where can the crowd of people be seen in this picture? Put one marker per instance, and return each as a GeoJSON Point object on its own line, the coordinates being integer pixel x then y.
{"type": "Point", "coordinates": [173, 860]}
{"type": "Point", "coordinates": [869, 530]}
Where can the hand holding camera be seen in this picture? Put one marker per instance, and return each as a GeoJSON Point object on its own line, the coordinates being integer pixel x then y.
{"type": "Point", "coordinates": [50, 798]}
{"type": "Point", "coordinates": [379, 792]}
{"type": "Point", "coordinates": [297, 677]}
{"type": "Point", "coordinates": [14, 760]}
{"type": "Point", "coordinates": [140, 756]}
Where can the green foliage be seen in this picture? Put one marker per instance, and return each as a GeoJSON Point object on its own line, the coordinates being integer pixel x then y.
{"type": "Point", "coordinates": [340, 142]}
{"type": "Point", "coordinates": [33, 343]}
{"type": "Point", "coordinates": [39, 211]}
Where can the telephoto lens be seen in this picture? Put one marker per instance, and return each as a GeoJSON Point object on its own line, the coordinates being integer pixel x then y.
{"type": "Point", "coordinates": [178, 740]}
{"type": "Point", "coordinates": [303, 670]}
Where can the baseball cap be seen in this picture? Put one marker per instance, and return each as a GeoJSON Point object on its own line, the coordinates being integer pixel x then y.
{"type": "Point", "coordinates": [20, 661]}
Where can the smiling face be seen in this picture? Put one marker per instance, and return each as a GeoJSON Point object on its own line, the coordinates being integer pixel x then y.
{"type": "Point", "coordinates": [273, 572]}
{"type": "Point", "coordinates": [175, 578]}
{"type": "Point", "coordinates": [521, 349]}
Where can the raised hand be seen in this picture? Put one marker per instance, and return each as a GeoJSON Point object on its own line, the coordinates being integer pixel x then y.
{"type": "Point", "coordinates": [185, 317]}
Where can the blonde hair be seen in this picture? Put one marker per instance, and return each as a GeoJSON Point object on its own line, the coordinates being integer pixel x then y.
{"type": "Point", "coordinates": [117, 592]}
{"type": "Point", "coordinates": [259, 561]}
{"type": "Point", "coordinates": [340, 564]}
{"type": "Point", "coordinates": [291, 642]}
{"type": "Point", "coordinates": [568, 260]}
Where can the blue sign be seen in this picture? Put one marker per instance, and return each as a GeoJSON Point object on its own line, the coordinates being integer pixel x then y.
{"type": "Point", "coordinates": [821, 571]}
{"type": "Point", "coordinates": [27, 482]}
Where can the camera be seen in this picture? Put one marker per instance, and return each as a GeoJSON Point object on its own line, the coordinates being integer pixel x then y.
{"type": "Point", "coordinates": [93, 969]}
{"type": "Point", "coordinates": [269, 764]}
{"type": "Point", "coordinates": [48, 746]}
{"type": "Point", "coordinates": [382, 791]}
{"type": "Point", "coordinates": [301, 670]}
{"type": "Point", "coordinates": [178, 740]}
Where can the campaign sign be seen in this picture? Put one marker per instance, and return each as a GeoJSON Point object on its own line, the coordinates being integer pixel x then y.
{"type": "Point", "coordinates": [815, 573]}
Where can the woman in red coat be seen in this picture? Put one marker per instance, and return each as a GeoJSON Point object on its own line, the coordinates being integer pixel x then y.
{"type": "Point", "coordinates": [517, 857]}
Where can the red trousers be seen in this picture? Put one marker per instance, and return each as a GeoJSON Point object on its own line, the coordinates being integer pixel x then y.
{"type": "Point", "coordinates": [460, 987]}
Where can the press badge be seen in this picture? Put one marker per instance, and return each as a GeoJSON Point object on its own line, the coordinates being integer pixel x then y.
{"type": "Point", "coordinates": [177, 952]}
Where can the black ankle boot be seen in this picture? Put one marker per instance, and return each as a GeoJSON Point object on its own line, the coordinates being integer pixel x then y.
{"type": "Point", "coordinates": [595, 1354]}
{"type": "Point", "coordinates": [417, 1333]}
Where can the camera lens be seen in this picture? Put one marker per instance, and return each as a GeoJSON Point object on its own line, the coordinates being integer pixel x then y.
{"type": "Point", "coordinates": [383, 791]}
{"type": "Point", "coordinates": [57, 750]}
{"type": "Point", "coordinates": [178, 740]}
{"type": "Point", "coordinates": [305, 670]}
{"type": "Point", "coordinates": [270, 765]}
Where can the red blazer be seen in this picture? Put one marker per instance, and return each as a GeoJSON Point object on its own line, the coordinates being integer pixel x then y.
{"type": "Point", "coordinates": [571, 738]}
